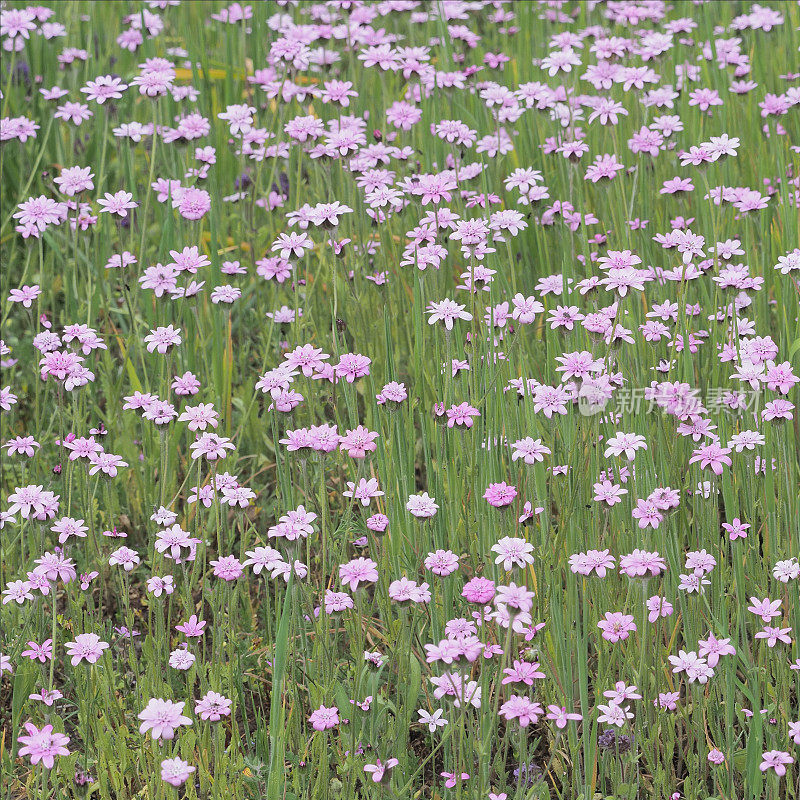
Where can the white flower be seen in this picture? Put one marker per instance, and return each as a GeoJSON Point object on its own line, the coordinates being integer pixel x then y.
{"type": "Point", "coordinates": [433, 721]}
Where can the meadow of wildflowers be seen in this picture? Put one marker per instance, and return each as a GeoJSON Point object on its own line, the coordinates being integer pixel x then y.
{"type": "Point", "coordinates": [399, 400]}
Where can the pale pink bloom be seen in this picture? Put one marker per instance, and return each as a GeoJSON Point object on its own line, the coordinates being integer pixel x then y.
{"type": "Point", "coordinates": [324, 718]}
{"type": "Point", "coordinates": [560, 716]}
{"type": "Point", "coordinates": [86, 646]}
{"type": "Point", "coordinates": [162, 718]}
{"type": "Point", "coordinates": [42, 745]}
{"type": "Point", "coordinates": [380, 769]}
{"type": "Point", "coordinates": [776, 760]}
{"type": "Point", "coordinates": [616, 626]}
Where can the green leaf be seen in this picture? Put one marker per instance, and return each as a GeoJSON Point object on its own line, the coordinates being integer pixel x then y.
{"type": "Point", "coordinates": [277, 744]}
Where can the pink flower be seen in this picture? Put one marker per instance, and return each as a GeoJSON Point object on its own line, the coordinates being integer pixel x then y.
{"type": "Point", "coordinates": [24, 295]}
{"type": "Point", "coordinates": [422, 505]}
{"type": "Point", "coordinates": [736, 529]}
{"type": "Point", "coordinates": [776, 760]}
{"type": "Point", "coordinates": [238, 117]}
{"type": "Point", "coordinates": [181, 658]}
{"type": "Point", "coordinates": [229, 568]}
{"type": "Point", "coordinates": [378, 523]}
{"type": "Point", "coordinates": [647, 514]}
{"type": "Point", "coordinates": [170, 541]}
{"type": "Point", "coordinates": [359, 570]}
{"type": "Point", "coordinates": [529, 450]}
{"type": "Point", "coordinates": [125, 557]}
{"type": "Point", "coordinates": [119, 203]}
{"type": "Point", "coordinates": [40, 212]}
{"type": "Point", "coordinates": [616, 626]}
{"type": "Point", "coordinates": [461, 414]}
{"type": "Point", "coordinates": [658, 607]}
{"type": "Point", "coordinates": [107, 463]}
{"type": "Point", "coordinates": [41, 652]}
{"type": "Point", "coordinates": [625, 443]}
{"type": "Point", "coordinates": [336, 602]}
{"type": "Point", "coordinates": [67, 526]}
{"type": "Point", "coordinates": [213, 706]}
{"type": "Point", "coordinates": [452, 778]}
{"type": "Point", "coordinates": [560, 716]}
{"type": "Point", "coordinates": [550, 400]}
{"type": "Point", "coordinates": [175, 771]}
{"type": "Point", "coordinates": [380, 769]}
{"type": "Point", "coordinates": [621, 692]}
{"type": "Point", "coordinates": [712, 648]}
{"type": "Point", "coordinates": [358, 442]}
{"type": "Point", "coordinates": [104, 87]}
{"type": "Point", "coordinates": [500, 495]}
{"type": "Point", "coordinates": [640, 563]}
{"type": "Point", "coordinates": [794, 732]}
{"type": "Point", "coordinates": [695, 666]}
{"type": "Point", "coordinates": [441, 562]}
{"type": "Point", "coordinates": [163, 338]}
{"type": "Point", "coordinates": [564, 60]}
{"type": "Point", "coordinates": [46, 696]}
{"type": "Point", "coordinates": [364, 492]}
{"type": "Point", "coordinates": [324, 718]}
{"type": "Point", "coordinates": [522, 709]}
{"type": "Point", "coordinates": [713, 456]}
{"type": "Point", "coordinates": [597, 561]}
{"type": "Point", "coordinates": [513, 552]}
{"type": "Point", "coordinates": [192, 203]}
{"type": "Point", "coordinates": [775, 635]}
{"type": "Point", "coordinates": [479, 590]}
{"type": "Point", "coordinates": [436, 720]}
{"type": "Point", "coordinates": [512, 599]}
{"type": "Point", "coordinates": [162, 718]}
{"type": "Point", "coordinates": [157, 585]}
{"type": "Point", "coordinates": [211, 446]}
{"type": "Point", "coordinates": [766, 608]}
{"type": "Point", "coordinates": [192, 628]}
{"type": "Point", "coordinates": [614, 714]}
{"type": "Point", "coordinates": [352, 366]}
{"type": "Point", "coordinates": [446, 311]}
{"type": "Point", "coordinates": [86, 646]}
{"type": "Point", "coordinates": [393, 392]}
{"type": "Point", "coordinates": [667, 700]}
{"type": "Point", "coordinates": [292, 244]}
{"type": "Point", "coordinates": [777, 409]}
{"type": "Point", "coordinates": [523, 672]}
{"type": "Point", "coordinates": [404, 591]}
{"type": "Point", "coordinates": [42, 745]}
